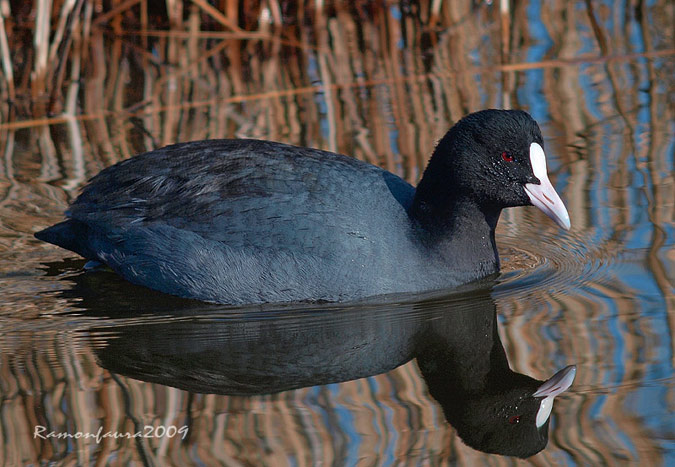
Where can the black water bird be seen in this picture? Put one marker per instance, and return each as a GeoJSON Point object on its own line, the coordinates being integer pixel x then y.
{"type": "Point", "coordinates": [247, 221]}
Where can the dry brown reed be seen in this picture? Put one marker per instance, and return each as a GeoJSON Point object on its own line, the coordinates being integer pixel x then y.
{"type": "Point", "coordinates": [84, 86]}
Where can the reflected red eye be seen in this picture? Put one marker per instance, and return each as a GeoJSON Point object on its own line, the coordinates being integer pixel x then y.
{"type": "Point", "coordinates": [507, 157]}
{"type": "Point", "coordinates": [514, 419]}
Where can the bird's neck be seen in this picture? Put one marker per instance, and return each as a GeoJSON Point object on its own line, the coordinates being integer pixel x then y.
{"type": "Point", "coordinates": [459, 230]}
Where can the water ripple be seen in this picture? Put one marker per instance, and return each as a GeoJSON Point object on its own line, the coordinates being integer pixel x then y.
{"type": "Point", "coordinates": [555, 262]}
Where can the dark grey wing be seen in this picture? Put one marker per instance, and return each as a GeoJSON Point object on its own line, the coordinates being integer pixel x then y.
{"type": "Point", "coordinates": [242, 221]}
{"type": "Point", "coordinates": [239, 192]}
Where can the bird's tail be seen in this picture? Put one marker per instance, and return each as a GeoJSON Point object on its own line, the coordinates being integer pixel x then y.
{"type": "Point", "coordinates": [70, 234]}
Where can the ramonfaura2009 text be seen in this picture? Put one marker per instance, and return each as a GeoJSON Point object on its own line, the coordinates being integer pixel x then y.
{"type": "Point", "coordinates": [148, 431]}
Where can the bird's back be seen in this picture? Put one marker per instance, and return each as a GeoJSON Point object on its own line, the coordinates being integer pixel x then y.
{"type": "Point", "coordinates": [241, 221]}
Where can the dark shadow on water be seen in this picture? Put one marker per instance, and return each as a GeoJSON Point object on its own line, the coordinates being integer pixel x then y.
{"type": "Point", "coordinates": [246, 351]}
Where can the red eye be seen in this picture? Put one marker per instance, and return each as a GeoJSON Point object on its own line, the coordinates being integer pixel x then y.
{"type": "Point", "coordinates": [514, 419]}
{"type": "Point", "coordinates": [507, 157]}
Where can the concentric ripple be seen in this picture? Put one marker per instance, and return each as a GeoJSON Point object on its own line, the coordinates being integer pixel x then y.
{"type": "Point", "coordinates": [558, 263]}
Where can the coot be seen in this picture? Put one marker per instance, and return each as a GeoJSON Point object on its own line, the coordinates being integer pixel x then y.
{"type": "Point", "coordinates": [239, 221]}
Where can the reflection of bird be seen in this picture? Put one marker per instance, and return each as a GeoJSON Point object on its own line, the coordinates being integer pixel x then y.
{"type": "Point", "coordinates": [248, 352]}
{"type": "Point", "coordinates": [243, 221]}
{"type": "Point", "coordinates": [492, 408]}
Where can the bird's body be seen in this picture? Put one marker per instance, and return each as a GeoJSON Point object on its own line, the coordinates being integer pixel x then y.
{"type": "Point", "coordinates": [246, 221]}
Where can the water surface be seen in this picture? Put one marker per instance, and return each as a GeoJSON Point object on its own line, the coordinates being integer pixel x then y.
{"type": "Point", "coordinates": [80, 351]}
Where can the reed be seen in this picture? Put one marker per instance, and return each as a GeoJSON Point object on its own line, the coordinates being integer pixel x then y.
{"type": "Point", "coordinates": [84, 86]}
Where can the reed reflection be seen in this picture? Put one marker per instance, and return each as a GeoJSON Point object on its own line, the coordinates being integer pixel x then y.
{"type": "Point", "coordinates": [455, 341]}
